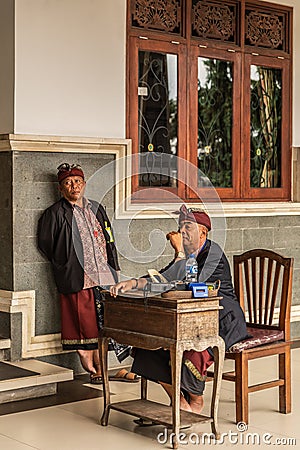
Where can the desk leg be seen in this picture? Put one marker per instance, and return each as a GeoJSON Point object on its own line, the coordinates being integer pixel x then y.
{"type": "Point", "coordinates": [144, 388]}
{"type": "Point", "coordinates": [219, 354]}
{"type": "Point", "coordinates": [176, 361]}
{"type": "Point", "coordinates": [103, 350]}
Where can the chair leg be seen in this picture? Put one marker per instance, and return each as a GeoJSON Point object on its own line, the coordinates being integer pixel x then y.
{"type": "Point", "coordinates": [241, 389]}
{"type": "Point", "coordinates": [285, 374]}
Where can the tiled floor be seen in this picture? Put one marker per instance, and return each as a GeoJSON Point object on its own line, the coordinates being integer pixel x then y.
{"type": "Point", "coordinates": [75, 426]}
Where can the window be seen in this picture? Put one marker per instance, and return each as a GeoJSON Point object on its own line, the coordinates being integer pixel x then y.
{"type": "Point", "coordinates": [209, 83]}
{"type": "Point", "coordinates": [157, 115]}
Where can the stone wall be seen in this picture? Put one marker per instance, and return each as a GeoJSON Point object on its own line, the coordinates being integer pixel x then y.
{"type": "Point", "coordinates": [34, 189]}
{"type": "Point", "coordinates": [29, 186]}
{"type": "Point", "coordinates": [278, 233]}
{"type": "Point", "coordinates": [6, 253]}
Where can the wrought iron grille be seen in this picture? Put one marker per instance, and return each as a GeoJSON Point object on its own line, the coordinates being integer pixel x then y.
{"type": "Point", "coordinates": [157, 118]}
{"type": "Point", "coordinates": [266, 103]}
{"type": "Point", "coordinates": [215, 121]}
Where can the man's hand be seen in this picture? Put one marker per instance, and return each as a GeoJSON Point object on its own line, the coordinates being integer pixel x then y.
{"type": "Point", "coordinates": [122, 287]}
{"type": "Point", "coordinates": [175, 239]}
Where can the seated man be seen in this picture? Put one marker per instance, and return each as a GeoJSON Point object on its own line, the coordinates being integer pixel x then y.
{"type": "Point", "coordinates": [212, 266]}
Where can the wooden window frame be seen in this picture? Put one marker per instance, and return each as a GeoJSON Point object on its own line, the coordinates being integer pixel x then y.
{"type": "Point", "coordinates": [144, 193]}
{"type": "Point", "coordinates": [195, 192]}
{"type": "Point", "coordinates": [264, 194]}
{"type": "Point", "coordinates": [188, 48]}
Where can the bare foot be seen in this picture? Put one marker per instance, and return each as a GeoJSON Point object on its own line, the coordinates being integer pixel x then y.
{"type": "Point", "coordinates": [96, 361]}
{"type": "Point", "coordinates": [86, 359]}
{"type": "Point", "coordinates": [196, 403]}
{"type": "Point", "coordinates": [184, 404]}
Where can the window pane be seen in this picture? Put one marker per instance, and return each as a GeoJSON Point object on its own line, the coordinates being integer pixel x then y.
{"type": "Point", "coordinates": [266, 101]}
{"type": "Point", "coordinates": [157, 119]}
{"type": "Point", "coordinates": [214, 151]}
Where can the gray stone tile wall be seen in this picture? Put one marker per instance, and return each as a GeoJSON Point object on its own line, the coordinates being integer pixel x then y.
{"type": "Point", "coordinates": [6, 252]}
{"type": "Point", "coordinates": [141, 243]}
{"type": "Point", "coordinates": [5, 325]}
{"type": "Point", "coordinates": [34, 189]}
{"type": "Point", "coordinates": [279, 233]}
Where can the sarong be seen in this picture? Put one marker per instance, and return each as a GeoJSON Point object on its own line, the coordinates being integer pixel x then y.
{"type": "Point", "coordinates": [81, 320]}
{"type": "Point", "coordinates": [155, 366]}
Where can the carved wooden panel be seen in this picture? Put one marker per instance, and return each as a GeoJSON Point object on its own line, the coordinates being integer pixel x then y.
{"type": "Point", "coordinates": [158, 15]}
{"type": "Point", "coordinates": [266, 29]}
{"type": "Point", "coordinates": [245, 33]}
{"type": "Point", "coordinates": [214, 20]}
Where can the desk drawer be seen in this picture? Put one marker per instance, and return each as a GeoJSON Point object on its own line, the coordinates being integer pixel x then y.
{"type": "Point", "coordinates": [140, 319]}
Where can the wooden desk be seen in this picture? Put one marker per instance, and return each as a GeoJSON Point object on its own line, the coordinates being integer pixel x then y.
{"type": "Point", "coordinates": [175, 323]}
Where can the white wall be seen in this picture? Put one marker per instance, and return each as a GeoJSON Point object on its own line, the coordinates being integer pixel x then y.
{"type": "Point", "coordinates": [70, 67]}
{"type": "Point", "coordinates": [7, 52]}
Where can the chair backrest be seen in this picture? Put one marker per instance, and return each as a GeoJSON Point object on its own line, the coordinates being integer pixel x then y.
{"type": "Point", "coordinates": [263, 282]}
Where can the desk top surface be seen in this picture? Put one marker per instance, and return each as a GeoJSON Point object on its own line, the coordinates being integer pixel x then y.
{"type": "Point", "coordinates": [171, 301]}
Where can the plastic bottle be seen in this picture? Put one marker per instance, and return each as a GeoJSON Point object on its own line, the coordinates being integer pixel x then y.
{"type": "Point", "coordinates": [191, 269]}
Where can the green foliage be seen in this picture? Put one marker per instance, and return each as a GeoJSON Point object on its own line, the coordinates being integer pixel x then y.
{"type": "Point", "coordinates": [215, 121]}
{"type": "Point", "coordinates": [266, 101]}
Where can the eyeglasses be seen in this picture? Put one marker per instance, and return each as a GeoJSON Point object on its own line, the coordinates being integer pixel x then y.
{"type": "Point", "coordinates": [68, 167]}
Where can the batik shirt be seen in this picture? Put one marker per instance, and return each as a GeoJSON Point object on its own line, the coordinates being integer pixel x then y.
{"type": "Point", "coordinates": [96, 269]}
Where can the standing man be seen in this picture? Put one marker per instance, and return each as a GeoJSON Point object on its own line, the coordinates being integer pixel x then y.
{"type": "Point", "coordinates": [75, 236]}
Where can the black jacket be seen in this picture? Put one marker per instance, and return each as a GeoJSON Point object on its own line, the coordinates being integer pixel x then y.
{"type": "Point", "coordinates": [212, 266]}
{"type": "Point", "coordinates": [59, 241]}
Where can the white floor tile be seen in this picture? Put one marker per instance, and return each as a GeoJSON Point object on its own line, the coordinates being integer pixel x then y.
{"type": "Point", "coordinates": [76, 426]}
{"type": "Point", "coordinates": [7, 443]}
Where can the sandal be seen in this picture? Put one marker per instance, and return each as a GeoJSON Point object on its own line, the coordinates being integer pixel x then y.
{"type": "Point", "coordinates": [95, 378]}
{"type": "Point", "coordinates": [123, 375]}
{"type": "Point", "coordinates": [141, 422]}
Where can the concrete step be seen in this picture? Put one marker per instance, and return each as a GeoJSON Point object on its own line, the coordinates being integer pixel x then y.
{"type": "Point", "coordinates": [4, 343]}
{"type": "Point", "coordinates": [36, 385]}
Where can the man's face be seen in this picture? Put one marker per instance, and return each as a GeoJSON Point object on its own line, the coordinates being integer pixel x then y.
{"type": "Point", "coordinates": [191, 232]}
{"type": "Point", "coordinates": [72, 188]}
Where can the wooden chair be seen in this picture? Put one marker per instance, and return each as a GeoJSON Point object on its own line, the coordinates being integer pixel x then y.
{"type": "Point", "coordinates": [263, 284]}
